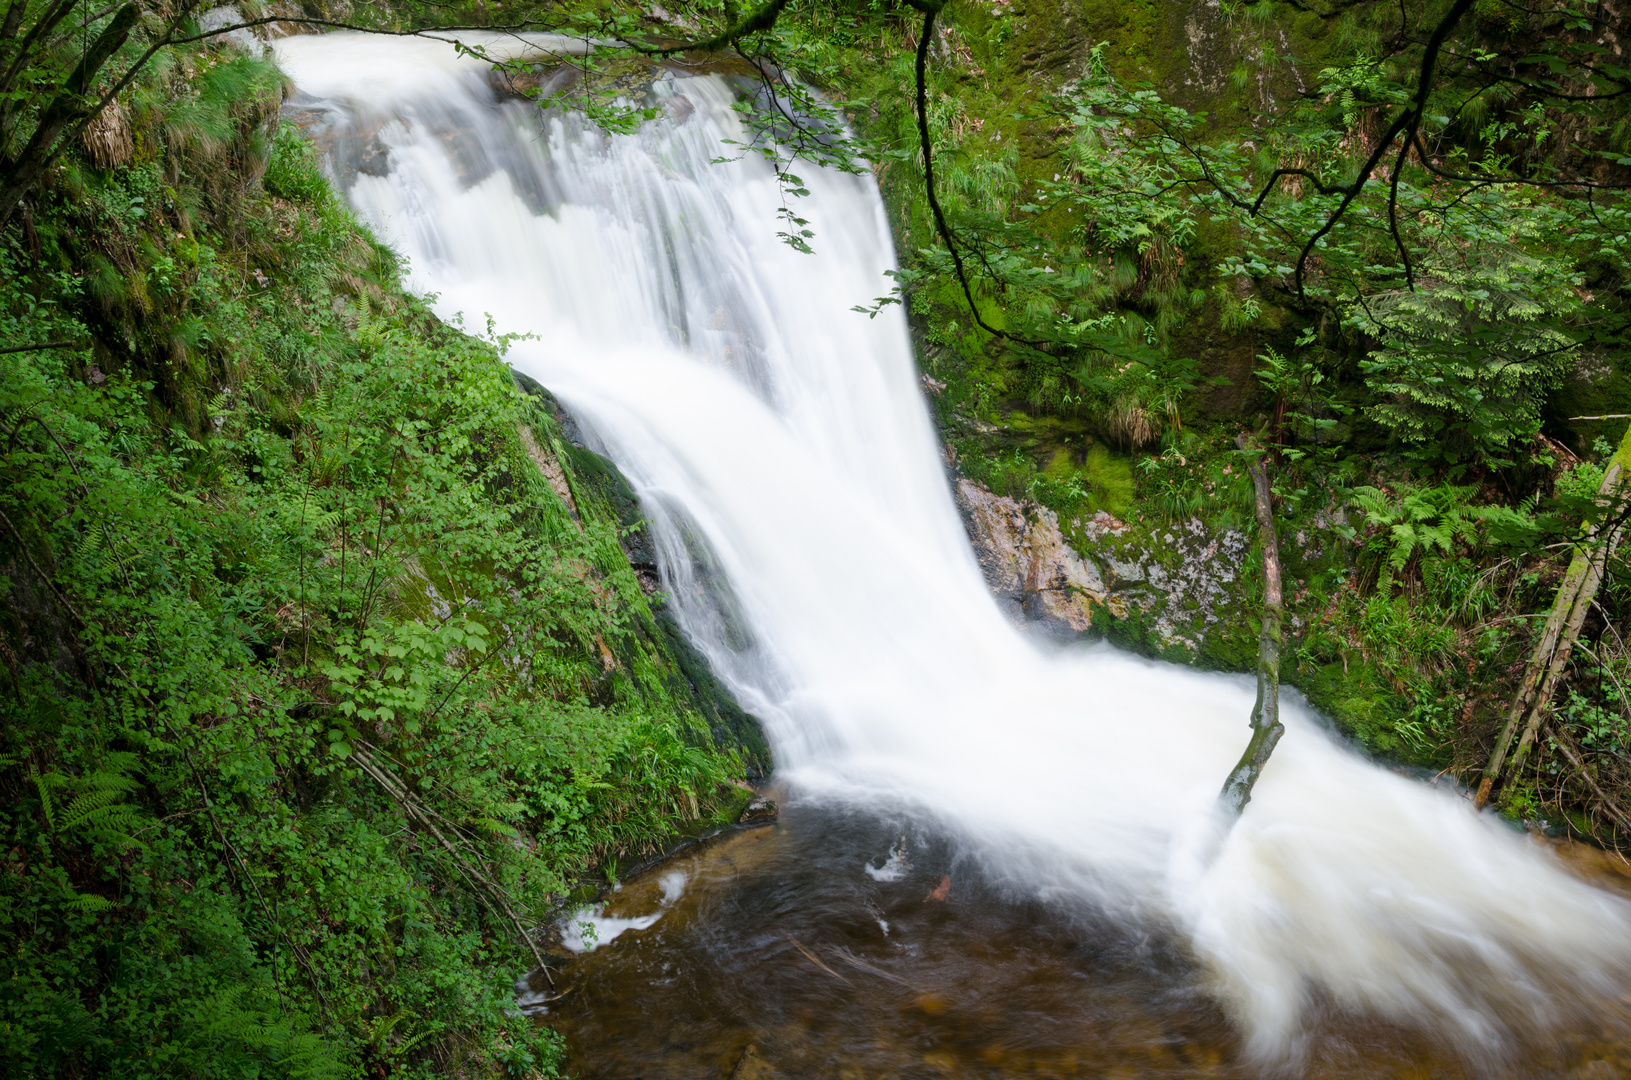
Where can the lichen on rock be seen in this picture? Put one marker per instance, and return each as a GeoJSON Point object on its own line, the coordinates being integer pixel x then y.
{"type": "Point", "coordinates": [1177, 581]}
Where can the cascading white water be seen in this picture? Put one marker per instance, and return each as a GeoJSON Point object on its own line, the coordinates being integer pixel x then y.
{"type": "Point", "coordinates": [807, 534]}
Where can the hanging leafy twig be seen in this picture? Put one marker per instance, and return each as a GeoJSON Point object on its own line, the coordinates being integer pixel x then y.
{"type": "Point", "coordinates": [926, 145]}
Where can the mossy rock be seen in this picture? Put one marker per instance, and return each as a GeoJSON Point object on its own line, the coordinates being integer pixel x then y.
{"type": "Point", "coordinates": [1361, 705]}
{"type": "Point", "coordinates": [1229, 646]}
{"type": "Point", "coordinates": [1136, 633]}
{"type": "Point", "coordinates": [598, 480]}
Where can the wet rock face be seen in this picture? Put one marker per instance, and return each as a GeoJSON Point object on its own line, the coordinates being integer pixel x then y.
{"type": "Point", "coordinates": [1032, 571]}
{"type": "Point", "coordinates": [1178, 578]}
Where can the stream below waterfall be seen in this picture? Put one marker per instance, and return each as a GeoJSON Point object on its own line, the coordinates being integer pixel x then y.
{"type": "Point", "coordinates": [1061, 899]}
{"type": "Point", "coordinates": [845, 944]}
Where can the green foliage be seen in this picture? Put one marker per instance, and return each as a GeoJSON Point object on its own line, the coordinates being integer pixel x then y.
{"type": "Point", "coordinates": [1466, 361]}
{"type": "Point", "coordinates": [1417, 523]}
{"type": "Point", "coordinates": [202, 115]}
{"type": "Point", "coordinates": [283, 584]}
{"type": "Point", "coordinates": [1307, 418]}
{"type": "Point", "coordinates": [1600, 723]}
{"type": "Point", "coordinates": [293, 173]}
{"type": "Point", "coordinates": [1101, 481]}
{"type": "Point", "coordinates": [1443, 316]}
{"type": "Point", "coordinates": [1579, 484]}
{"type": "Point", "coordinates": [1385, 667]}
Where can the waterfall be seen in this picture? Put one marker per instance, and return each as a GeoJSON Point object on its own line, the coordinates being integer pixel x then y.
{"type": "Point", "coordinates": [807, 535]}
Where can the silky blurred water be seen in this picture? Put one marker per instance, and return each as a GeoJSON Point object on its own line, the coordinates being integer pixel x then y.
{"type": "Point", "coordinates": [806, 533]}
{"type": "Point", "coordinates": [786, 955]}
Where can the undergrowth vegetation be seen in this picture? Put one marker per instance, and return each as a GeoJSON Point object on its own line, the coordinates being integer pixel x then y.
{"type": "Point", "coordinates": [319, 697]}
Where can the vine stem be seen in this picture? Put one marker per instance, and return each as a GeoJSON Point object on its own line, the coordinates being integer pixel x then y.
{"type": "Point", "coordinates": [926, 145]}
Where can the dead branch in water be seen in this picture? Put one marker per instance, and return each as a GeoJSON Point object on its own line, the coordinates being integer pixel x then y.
{"type": "Point", "coordinates": [816, 960]}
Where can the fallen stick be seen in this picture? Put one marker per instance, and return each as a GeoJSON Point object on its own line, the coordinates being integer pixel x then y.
{"type": "Point", "coordinates": [861, 965]}
{"type": "Point", "coordinates": [1551, 653]}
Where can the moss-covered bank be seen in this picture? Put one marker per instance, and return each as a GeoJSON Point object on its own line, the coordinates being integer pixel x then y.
{"type": "Point", "coordinates": [326, 676]}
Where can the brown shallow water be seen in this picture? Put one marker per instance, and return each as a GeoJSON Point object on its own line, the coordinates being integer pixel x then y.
{"type": "Point", "coordinates": [784, 958]}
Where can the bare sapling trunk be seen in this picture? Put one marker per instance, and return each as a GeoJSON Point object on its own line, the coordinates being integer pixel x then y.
{"type": "Point", "coordinates": [1265, 722]}
{"type": "Point", "coordinates": [1556, 643]}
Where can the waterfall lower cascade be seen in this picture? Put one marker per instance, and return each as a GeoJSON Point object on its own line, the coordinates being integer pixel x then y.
{"type": "Point", "coordinates": [780, 444]}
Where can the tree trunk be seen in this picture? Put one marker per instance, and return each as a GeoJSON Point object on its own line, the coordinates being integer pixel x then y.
{"type": "Point", "coordinates": [75, 104]}
{"type": "Point", "coordinates": [1551, 653]}
{"type": "Point", "coordinates": [1565, 646]}
{"type": "Point", "coordinates": [1265, 722]}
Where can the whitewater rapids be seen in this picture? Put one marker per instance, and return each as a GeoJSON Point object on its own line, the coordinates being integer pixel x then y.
{"type": "Point", "coordinates": [780, 444]}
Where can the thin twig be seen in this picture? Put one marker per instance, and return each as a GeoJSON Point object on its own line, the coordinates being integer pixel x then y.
{"type": "Point", "coordinates": [41, 347]}
{"type": "Point", "coordinates": [816, 960]}
{"type": "Point", "coordinates": [429, 818]}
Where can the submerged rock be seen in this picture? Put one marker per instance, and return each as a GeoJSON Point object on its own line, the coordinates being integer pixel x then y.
{"type": "Point", "coordinates": [761, 811]}
{"type": "Point", "coordinates": [752, 1066]}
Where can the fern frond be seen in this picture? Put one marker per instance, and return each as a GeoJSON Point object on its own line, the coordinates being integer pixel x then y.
{"type": "Point", "coordinates": [1376, 505]}
{"type": "Point", "coordinates": [304, 510]}
{"type": "Point", "coordinates": [91, 902]}
{"type": "Point", "coordinates": [1405, 542]}
{"type": "Point", "coordinates": [1441, 536]}
{"type": "Point", "coordinates": [497, 828]}
{"type": "Point", "coordinates": [88, 550]}
{"type": "Point", "coordinates": [380, 1030]}
{"type": "Point", "coordinates": [43, 784]}
{"type": "Point", "coordinates": [102, 805]}
{"type": "Point", "coordinates": [99, 795]}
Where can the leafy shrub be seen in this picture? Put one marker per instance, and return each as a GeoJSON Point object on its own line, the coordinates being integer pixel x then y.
{"type": "Point", "coordinates": [313, 676]}
{"type": "Point", "coordinates": [1464, 365]}
{"type": "Point", "coordinates": [293, 172]}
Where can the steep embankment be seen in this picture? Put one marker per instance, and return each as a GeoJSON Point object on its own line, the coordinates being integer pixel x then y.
{"type": "Point", "coordinates": [326, 674]}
